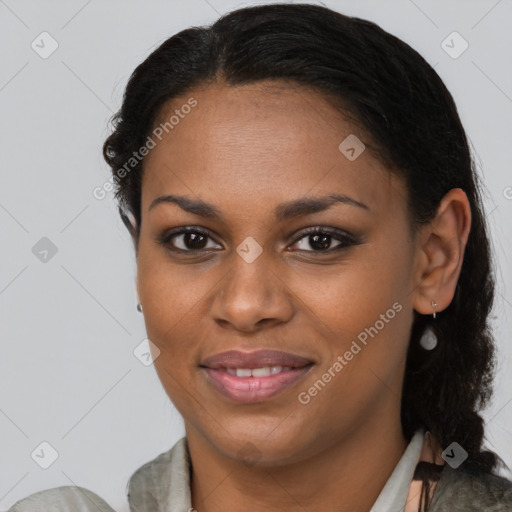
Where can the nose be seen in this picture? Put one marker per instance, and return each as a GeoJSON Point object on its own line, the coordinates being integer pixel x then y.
{"type": "Point", "coordinates": [252, 296]}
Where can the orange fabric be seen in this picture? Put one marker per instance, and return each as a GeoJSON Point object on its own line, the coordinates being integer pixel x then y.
{"type": "Point", "coordinates": [430, 453]}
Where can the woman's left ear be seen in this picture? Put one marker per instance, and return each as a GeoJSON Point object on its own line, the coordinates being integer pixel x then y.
{"type": "Point", "coordinates": [441, 246]}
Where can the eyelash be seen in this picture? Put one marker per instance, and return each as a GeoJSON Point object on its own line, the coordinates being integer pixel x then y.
{"type": "Point", "coordinates": [346, 239]}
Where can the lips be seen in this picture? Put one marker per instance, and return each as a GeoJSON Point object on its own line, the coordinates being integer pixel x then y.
{"type": "Point", "coordinates": [260, 359]}
{"type": "Point", "coordinates": [252, 377]}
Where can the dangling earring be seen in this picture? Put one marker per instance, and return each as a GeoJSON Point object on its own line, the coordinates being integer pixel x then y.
{"type": "Point", "coordinates": [139, 307]}
{"type": "Point", "coordinates": [429, 340]}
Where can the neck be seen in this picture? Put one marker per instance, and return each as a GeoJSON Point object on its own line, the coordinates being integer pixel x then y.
{"type": "Point", "coordinates": [347, 475]}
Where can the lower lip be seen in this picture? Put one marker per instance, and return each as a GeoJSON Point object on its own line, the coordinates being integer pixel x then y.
{"type": "Point", "coordinates": [254, 389]}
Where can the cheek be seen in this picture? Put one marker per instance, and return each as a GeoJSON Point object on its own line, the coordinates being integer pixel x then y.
{"type": "Point", "coordinates": [361, 309]}
{"type": "Point", "coordinates": [175, 314]}
{"type": "Point", "coordinates": [169, 293]}
{"type": "Point", "coordinates": [164, 306]}
{"type": "Point", "coordinates": [353, 294]}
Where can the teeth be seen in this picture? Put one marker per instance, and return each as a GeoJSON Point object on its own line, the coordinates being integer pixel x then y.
{"type": "Point", "coordinates": [257, 372]}
{"type": "Point", "coordinates": [261, 372]}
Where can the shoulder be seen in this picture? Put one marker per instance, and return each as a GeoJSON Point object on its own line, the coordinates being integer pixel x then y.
{"type": "Point", "coordinates": [163, 481]}
{"type": "Point", "coordinates": [460, 490]}
{"type": "Point", "coordinates": [65, 498]}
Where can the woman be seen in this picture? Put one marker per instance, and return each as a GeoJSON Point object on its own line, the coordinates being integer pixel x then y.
{"type": "Point", "coordinates": [314, 271]}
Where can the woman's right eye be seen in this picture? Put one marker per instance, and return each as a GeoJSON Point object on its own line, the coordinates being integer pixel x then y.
{"type": "Point", "coordinates": [188, 239]}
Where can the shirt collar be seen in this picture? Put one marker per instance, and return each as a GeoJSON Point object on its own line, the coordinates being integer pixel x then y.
{"type": "Point", "coordinates": [163, 484]}
{"type": "Point", "coordinates": [394, 493]}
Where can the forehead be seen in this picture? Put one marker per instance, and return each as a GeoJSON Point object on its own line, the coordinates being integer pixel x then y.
{"type": "Point", "coordinates": [257, 142]}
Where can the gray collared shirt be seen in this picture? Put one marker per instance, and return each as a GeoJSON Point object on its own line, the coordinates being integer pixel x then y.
{"type": "Point", "coordinates": [163, 485]}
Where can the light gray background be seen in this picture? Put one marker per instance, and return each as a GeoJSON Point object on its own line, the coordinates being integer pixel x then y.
{"type": "Point", "coordinates": [69, 326]}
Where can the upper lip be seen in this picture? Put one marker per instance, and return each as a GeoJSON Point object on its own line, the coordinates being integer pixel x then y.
{"type": "Point", "coordinates": [257, 359]}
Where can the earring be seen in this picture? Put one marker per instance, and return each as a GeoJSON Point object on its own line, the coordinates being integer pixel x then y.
{"type": "Point", "coordinates": [434, 305]}
{"type": "Point", "coordinates": [428, 340]}
{"type": "Point", "coordinates": [139, 307]}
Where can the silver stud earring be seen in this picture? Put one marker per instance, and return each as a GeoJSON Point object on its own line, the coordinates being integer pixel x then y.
{"type": "Point", "coordinates": [434, 306]}
{"type": "Point", "coordinates": [139, 307]}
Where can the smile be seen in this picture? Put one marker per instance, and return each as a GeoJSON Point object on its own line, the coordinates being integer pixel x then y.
{"type": "Point", "coordinates": [246, 385]}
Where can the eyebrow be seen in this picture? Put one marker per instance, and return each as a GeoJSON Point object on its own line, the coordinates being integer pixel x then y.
{"type": "Point", "coordinates": [284, 211]}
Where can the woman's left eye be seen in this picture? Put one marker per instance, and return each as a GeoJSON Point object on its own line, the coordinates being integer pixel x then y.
{"type": "Point", "coordinates": [320, 240]}
{"type": "Point", "coordinates": [191, 239]}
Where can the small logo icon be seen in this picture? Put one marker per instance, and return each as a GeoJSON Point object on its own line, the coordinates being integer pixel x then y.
{"type": "Point", "coordinates": [146, 352]}
{"type": "Point", "coordinates": [44, 45]}
{"type": "Point", "coordinates": [44, 455]}
{"type": "Point", "coordinates": [249, 249]}
{"type": "Point", "coordinates": [454, 45]}
{"type": "Point", "coordinates": [250, 454]}
{"type": "Point", "coordinates": [44, 250]}
{"type": "Point", "coordinates": [351, 147]}
{"type": "Point", "coordinates": [455, 455]}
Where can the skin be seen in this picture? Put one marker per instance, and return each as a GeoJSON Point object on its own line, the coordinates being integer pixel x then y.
{"type": "Point", "coordinates": [247, 149]}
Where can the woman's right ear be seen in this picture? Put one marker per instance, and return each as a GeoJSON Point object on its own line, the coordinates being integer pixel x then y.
{"type": "Point", "coordinates": [131, 225]}
{"type": "Point", "coordinates": [128, 220]}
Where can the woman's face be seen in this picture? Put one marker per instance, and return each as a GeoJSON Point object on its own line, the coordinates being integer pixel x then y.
{"type": "Point", "coordinates": [339, 304]}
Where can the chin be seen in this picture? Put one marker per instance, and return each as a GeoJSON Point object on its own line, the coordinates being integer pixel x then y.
{"type": "Point", "coordinates": [267, 447]}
